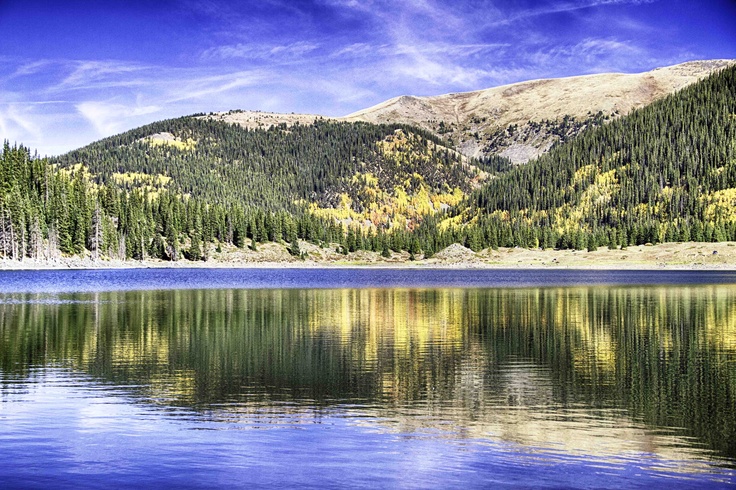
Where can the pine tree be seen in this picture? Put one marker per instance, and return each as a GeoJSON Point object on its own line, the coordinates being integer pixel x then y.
{"type": "Point", "coordinates": [294, 248]}
{"type": "Point", "coordinates": [386, 252]}
{"type": "Point", "coordinates": [195, 251]}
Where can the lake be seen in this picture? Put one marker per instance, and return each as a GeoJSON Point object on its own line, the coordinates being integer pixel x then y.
{"type": "Point", "coordinates": [201, 378]}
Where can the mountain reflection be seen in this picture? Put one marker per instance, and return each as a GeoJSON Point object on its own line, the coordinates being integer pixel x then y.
{"type": "Point", "coordinates": [591, 370]}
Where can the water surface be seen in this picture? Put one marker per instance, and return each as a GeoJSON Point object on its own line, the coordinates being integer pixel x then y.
{"type": "Point", "coordinates": [418, 386]}
{"type": "Point", "coordinates": [314, 278]}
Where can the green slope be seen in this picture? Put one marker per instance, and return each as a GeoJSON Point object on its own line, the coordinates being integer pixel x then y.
{"type": "Point", "coordinates": [353, 167]}
{"type": "Point", "coordinates": [666, 172]}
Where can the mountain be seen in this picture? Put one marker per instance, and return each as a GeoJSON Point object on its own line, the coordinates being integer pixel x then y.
{"type": "Point", "coordinates": [663, 173]}
{"type": "Point", "coordinates": [523, 120]}
{"type": "Point", "coordinates": [383, 176]}
{"type": "Point", "coordinates": [519, 121]}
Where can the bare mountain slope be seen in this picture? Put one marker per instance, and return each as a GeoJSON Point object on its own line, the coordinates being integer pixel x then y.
{"type": "Point", "coordinates": [524, 119]}
{"type": "Point", "coordinates": [258, 119]}
{"type": "Point", "coordinates": [519, 121]}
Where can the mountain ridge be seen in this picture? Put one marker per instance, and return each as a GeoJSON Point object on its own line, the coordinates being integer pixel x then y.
{"type": "Point", "coordinates": [479, 115]}
{"type": "Point", "coordinates": [663, 173]}
{"type": "Point", "coordinates": [519, 121]}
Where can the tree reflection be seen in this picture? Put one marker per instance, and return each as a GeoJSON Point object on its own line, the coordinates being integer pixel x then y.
{"type": "Point", "coordinates": [515, 363]}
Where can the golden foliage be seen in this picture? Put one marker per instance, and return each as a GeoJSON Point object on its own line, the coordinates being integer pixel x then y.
{"type": "Point", "coordinates": [397, 208]}
{"type": "Point", "coordinates": [153, 184]}
{"type": "Point", "coordinates": [720, 205]}
{"type": "Point", "coordinates": [597, 195]}
{"type": "Point", "coordinates": [187, 145]}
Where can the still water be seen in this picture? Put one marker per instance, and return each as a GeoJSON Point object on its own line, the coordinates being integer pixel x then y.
{"type": "Point", "coordinates": [413, 385]}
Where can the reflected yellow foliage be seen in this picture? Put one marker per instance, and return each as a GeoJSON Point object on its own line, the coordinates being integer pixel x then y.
{"type": "Point", "coordinates": [485, 359]}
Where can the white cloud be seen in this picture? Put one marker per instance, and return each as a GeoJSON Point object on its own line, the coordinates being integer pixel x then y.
{"type": "Point", "coordinates": [417, 65]}
{"type": "Point", "coordinates": [87, 72]}
{"type": "Point", "coordinates": [357, 50]}
{"type": "Point", "coordinates": [17, 123]}
{"type": "Point", "coordinates": [360, 5]}
{"type": "Point", "coordinates": [46, 126]}
{"type": "Point", "coordinates": [109, 118]}
{"type": "Point", "coordinates": [561, 7]}
{"type": "Point", "coordinates": [595, 55]}
{"type": "Point", "coordinates": [198, 88]}
{"type": "Point", "coordinates": [458, 51]}
{"type": "Point", "coordinates": [260, 51]}
{"type": "Point", "coordinates": [28, 69]}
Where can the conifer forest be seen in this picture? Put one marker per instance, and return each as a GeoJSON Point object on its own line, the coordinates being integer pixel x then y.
{"type": "Point", "coordinates": [180, 188]}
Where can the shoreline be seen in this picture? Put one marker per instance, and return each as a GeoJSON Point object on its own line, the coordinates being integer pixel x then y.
{"type": "Point", "coordinates": [693, 256]}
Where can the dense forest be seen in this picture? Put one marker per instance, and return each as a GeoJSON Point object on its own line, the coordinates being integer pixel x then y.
{"type": "Point", "coordinates": [664, 173]}
{"type": "Point", "coordinates": [273, 167]}
{"type": "Point", "coordinates": [46, 210]}
{"type": "Point", "coordinates": [183, 187]}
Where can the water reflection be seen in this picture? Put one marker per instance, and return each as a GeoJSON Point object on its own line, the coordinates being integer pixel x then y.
{"type": "Point", "coordinates": [640, 373]}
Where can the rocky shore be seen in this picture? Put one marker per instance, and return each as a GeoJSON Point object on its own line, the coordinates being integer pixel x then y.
{"type": "Point", "coordinates": [689, 255]}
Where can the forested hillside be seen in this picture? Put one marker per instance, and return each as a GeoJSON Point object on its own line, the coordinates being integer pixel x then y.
{"type": "Point", "coordinates": [182, 188]}
{"type": "Point", "coordinates": [666, 172]}
{"type": "Point", "coordinates": [46, 211]}
{"type": "Point", "coordinates": [279, 168]}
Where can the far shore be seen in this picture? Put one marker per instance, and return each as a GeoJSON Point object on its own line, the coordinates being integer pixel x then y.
{"type": "Point", "coordinates": [674, 256]}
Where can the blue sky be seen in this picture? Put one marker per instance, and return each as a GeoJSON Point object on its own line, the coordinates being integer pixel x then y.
{"type": "Point", "coordinates": [75, 71]}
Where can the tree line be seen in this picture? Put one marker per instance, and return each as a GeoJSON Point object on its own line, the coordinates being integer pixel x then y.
{"type": "Point", "coordinates": [46, 211]}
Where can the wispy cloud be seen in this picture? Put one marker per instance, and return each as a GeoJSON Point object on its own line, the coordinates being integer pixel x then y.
{"type": "Point", "coordinates": [459, 51]}
{"type": "Point", "coordinates": [198, 88]}
{"type": "Point", "coordinates": [562, 7]}
{"type": "Point", "coordinates": [260, 51]}
{"type": "Point", "coordinates": [36, 124]}
{"type": "Point", "coordinates": [26, 69]}
{"type": "Point", "coordinates": [14, 118]}
{"type": "Point", "coordinates": [109, 118]}
{"type": "Point", "coordinates": [84, 73]}
{"type": "Point", "coordinates": [415, 64]}
{"type": "Point", "coordinates": [596, 55]}
{"type": "Point", "coordinates": [357, 50]}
